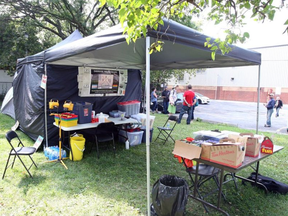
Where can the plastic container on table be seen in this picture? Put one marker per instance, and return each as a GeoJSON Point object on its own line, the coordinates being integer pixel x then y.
{"type": "Point", "coordinates": [84, 112]}
{"type": "Point", "coordinates": [129, 107]}
{"type": "Point", "coordinates": [67, 119]}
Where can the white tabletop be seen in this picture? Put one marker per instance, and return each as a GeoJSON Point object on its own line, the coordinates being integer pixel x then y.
{"type": "Point", "coordinates": [117, 121]}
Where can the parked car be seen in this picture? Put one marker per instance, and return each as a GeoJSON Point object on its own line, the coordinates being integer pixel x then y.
{"type": "Point", "coordinates": [201, 98]}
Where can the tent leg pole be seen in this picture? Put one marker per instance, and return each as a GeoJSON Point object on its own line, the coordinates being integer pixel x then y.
{"type": "Point", "coordinates": [147, 84]}
{"type": "Point", "coordinates": [258, 100]}
{"type": "Point", "coordinates": [45, 109]}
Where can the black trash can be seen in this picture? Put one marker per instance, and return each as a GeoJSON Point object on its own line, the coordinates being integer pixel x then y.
{"type": "Point", "coordinates": [169, 196]}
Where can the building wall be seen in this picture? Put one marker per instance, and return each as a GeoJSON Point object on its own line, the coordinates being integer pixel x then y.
{"type": "Point", "coordinates": [240, 83]}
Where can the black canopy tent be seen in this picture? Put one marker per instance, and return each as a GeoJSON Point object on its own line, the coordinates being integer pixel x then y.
{"type": "Point", "coordinates": [183, 49]}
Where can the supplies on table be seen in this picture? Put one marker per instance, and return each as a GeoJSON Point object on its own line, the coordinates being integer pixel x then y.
{"type": "Point", "coordinates": [114, 114]}
{"type": "Point", "coordinates": [141, 117]}
{"type": "Point", "coordinates": [227, 152]}
{"type": "Point", "coordinates": [252, 142]}
{"type": "Point", "coordinates": [134, 137]}
{"type": "Point", "coordinates": [102, 117]}
{"type": "Point", "coordinates": [213, 136]}
{"type": "Point", "coordinates": [129, 107]}
{"type": "Point", "coordinates": [267, 146]}
{"type": "Point", "coordinates": [84, 112]}
{"type": "Point", "coordinates": [52, 153]}
{"type": "Point", "coordinates": [67, 119]}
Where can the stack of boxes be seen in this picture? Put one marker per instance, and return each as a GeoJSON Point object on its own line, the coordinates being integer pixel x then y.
{"type": "Point", "coordinates": [229, 152]}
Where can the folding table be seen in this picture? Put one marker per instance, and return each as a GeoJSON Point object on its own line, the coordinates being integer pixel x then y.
{"type": "Point", "coordinates": [117, 121]}
{"type": "Point", "coordinates": [248, 161]}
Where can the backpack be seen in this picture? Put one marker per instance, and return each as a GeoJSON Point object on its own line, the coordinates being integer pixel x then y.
{"type": "Point", "coordinates": [271, 184]}
{"type": "Point", "coordinates": [196, 104]}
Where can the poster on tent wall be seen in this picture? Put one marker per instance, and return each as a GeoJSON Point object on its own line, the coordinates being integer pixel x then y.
{"type": "Point", "coordinates": [101, 82]}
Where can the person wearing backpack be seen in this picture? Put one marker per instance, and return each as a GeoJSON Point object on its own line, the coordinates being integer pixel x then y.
{"type": "Point", "coordinates": [278, 106]}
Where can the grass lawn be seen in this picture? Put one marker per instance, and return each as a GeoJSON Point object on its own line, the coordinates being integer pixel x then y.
{"type": "Point", "coordinates": [117, 185]}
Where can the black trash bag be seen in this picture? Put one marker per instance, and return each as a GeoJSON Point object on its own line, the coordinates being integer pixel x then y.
{"type": "Point", "coordinates": [169, 196]}
{"type": "Point", "coordinates": [271, 184]}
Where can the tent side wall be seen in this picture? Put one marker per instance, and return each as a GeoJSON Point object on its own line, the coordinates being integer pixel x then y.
{"type": "Point", "coordinates": [62, 85]}
{"type": "Point", "coordinates": [28, 98]}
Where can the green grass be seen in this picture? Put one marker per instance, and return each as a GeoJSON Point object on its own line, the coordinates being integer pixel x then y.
{"type": "Point", "coordinates": [117, 185]}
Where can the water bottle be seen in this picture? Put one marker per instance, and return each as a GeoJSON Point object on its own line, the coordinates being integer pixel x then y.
{"type": "Point", "coordinates": [47, 152]}
{"type": "Point", "coordinates": [168, 125]}
{"type": "Point", "coordinates": [127, 144]}
{"type": "Point", "coordinates": [63, 153]}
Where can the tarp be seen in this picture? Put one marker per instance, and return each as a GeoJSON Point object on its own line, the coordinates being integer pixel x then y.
{"type": "Point", "coordinates": [7, 104]}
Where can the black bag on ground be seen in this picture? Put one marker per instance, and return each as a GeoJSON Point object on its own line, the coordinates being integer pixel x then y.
{"type": "Point", "coordinates": [271, 184]}
{"type": "Point", "coordinates": [169, 196]}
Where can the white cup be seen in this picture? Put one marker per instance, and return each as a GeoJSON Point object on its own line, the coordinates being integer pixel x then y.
{"type": "Point", "coordinates": [93, 114]}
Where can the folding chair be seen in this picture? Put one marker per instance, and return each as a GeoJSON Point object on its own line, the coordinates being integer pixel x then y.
{"type": "Point", "coordinates": [18, 151]}
{"type": "Point", "coordinates": [104, 133]}
{"type": "Point", "coordinates": [165, 131]}
{"type": "Point", "coordinates": [205, 173]}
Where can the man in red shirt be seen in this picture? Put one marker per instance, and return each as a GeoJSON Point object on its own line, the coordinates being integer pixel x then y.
{"type": "Point", "coordinates": [188, 103]}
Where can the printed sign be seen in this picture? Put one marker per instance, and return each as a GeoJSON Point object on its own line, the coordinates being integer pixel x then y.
{"type": "Point", "coordinates": [43, 81]}
{"type": "Point", "coordinates": [38, 142]}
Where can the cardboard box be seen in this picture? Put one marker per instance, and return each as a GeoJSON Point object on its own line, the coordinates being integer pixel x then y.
{"type": "Point", "coordinates": [226, 153]}
{"type": "Point", "coordinates": [252, 143]}
{"type": "Point", "coordinates": [186, 150]}
{"type": "Point", "coordinates": [206, 149]}
{"type": "Point", "coordinates": [252, 147]}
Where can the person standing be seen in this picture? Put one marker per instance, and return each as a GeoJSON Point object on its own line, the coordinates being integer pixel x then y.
{"type": "Point", "coordinates": [188, 103]}
{"type": "Point", "coordinates": [153, 100]}
{"type": "Point", "coordinates": [270, 107]}
{"type": "Point", "coordinates": [172, 100]}
{"type": "Point", "coordinates": [278, 106]}
{"type": "Point", "coordinates": [193, 108]}
{"type": "Point", "coordinates": [165, 96]}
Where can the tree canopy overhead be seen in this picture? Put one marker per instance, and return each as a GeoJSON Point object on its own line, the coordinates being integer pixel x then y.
{"type": "Point", "coordinates": [30, 26]}
{"type": "Point", "coordinates": [62, 17]}
{"type": "Point", "coordinates": [136, 15]}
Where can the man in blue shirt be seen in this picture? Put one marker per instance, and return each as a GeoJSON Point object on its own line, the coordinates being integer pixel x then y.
{"type": "Point", "coordinates": [270, 107]}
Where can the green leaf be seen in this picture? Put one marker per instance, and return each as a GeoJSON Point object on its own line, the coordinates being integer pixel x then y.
{"type": "Point", "coordinates": [247, 5]}
{"type": "Point", "coordinates": [213, 55]}
{"type": "Point", "coordinates": [214, 48]}
{"type": "Point", "coordinates": [246, 34]}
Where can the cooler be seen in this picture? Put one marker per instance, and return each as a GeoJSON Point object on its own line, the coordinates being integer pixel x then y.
{"type": "Point", "coordinates": [144, 135]}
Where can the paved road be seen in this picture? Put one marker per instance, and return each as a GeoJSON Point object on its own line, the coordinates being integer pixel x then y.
{"type": "Point", "coordinates": [242, 115]}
